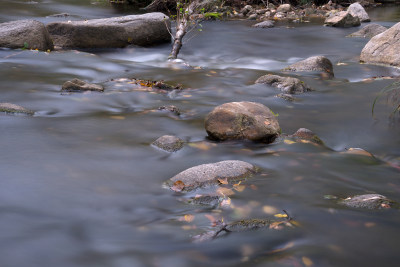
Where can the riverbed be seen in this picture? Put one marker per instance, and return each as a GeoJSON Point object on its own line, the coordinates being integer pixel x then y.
{"type": "Point", "coordinates": [81, 185]}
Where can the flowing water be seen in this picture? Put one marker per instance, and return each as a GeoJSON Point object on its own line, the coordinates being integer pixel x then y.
{"type": "Point", "coordinates": [80, 184]}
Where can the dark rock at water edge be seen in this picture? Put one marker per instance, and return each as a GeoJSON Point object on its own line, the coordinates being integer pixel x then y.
{"type": "Point", "coordinates": [143, 30]}
{"type": "Point", "coordinates": [169, 143]}
{"type": "Point", "coordinates": [368, 201]}
{"type": "Point", "coordinates": [208, 174]}
{"type": "Point", "coordinates": [27, 34]}
{"type": "Point", "coordinates": [287, 85]}
{"type": "Point", "coordinates": [356, 10]}
{"type": "Point", "coordinates": [14, 109]}
{"type": "Point", "coordinates": [383, 48]}
{"type": "Point", "coordinates": [307, 134]}
{"type": "Point", "coordinates": [264, 24]}
{"type": "Point", "coordinates": [369, 31]}
{"type": "Point", "coordinates": [173, 109]}
{"type": "Point", "coordinates": [313, 64]}
{"type": "Point", "coordinates": [342, 19]}
{"type": "Point", "coordinates": [242, 120]}
{"type": "Point", "coordinates": [77, 85]}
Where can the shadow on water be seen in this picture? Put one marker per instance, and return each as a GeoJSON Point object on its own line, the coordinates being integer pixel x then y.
{"type": "Point", "coordinates": [81, 185]}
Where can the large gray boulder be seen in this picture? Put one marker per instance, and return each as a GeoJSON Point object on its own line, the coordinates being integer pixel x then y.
{"type": "Point", "coordinates": [356, 10]}
{"type": "Point", "coordinates": [369, 31]}
{"type": "Point", "coordinates": [383, 48]}
{"type": "Point", "coordinates": [208, 174]}
{"type": "Point", "coordinates": [143, 30]}
{"type": "Point", "coordinates": [342, 19]}
{"type": "Point", "coordinates": [28, 34]}
{"type": "Point", "coordinates": [242, 120]}
{"type": "Point", "coordinates": [284, 8]}
{"type": "Point", "coordinates": [288, 85]}
{"type": "Point", "coordinates": [313, 64]}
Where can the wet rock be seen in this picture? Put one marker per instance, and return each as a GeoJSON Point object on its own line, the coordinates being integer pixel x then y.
{"type": "Point", "coordinates": [307, 134]}
{"type": "Point", "coordinates": [143, 30]}
{"type": "Point", "coordinates": [356, 10]}
{"type": "Point", "coordinates": [264, 24]}
{"type": "Point", "coordinates": [208, 174]}
{"type": "Point", "coordinates": [287, 97]}
{"type": "Point", "coordinates": [368, 201]}
{"type": "Point", "coordinates": [369, 31]}
{"type": "Point", "coordinates": [172, 109]}
{"type": "Point", "coordinates": [241, 226]}
{"type": "Point", "coordinates": [383, 48]}
{"type": "Point", "coordinates": [242, 120]}
{"type": "Point", "coordinates": [288, 85]}
{"type": "Point", "coordinates": [284, 8]}
{"type": "Point", "coordinates": [252, 17]}
{"type": "Point", "coordinates": [358, 151]}
{"type": "Point", "coordinates": [342, 19]}
{"type": "Point", "coordinates": [14, 109]}
{"type": "Point", "coordinates": [316, 63]}
{"type": "Point", "coordinates": [28, 34]}
{"type": "Point", "coordinates": [77, 85]}
{"type": "Point", "coordinates": [207, 200]}
{"type": "Point", "coordinates": [246, 10]}
{"type": "Point", "coordinates": [169, 143]}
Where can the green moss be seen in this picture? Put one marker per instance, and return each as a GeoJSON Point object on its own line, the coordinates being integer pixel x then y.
{"type": "Point", "coordinates": [213, 15]}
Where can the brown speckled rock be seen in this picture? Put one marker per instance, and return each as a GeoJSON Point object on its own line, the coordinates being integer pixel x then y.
{"type": "Point", "coordinates": [242, 120]}
{"type": "Point", "coordinates": [14, 109]}
{"type": "Point", "coordinates": [207, 174]}
{"type": "Point", "coordinates": [169, 143]}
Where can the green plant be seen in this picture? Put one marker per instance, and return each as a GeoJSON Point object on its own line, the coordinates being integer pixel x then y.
{"type": "Point", "coordinates": [212, 15]}
{"type": "Point", "coordinates": [392, 91]}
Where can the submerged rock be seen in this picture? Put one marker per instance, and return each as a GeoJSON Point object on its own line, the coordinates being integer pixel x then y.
{"type": "Point", "coordinates": [27, 34]}
{"type": "Point", "coordinates": [342, 19]}
{"type": "Point", "coordinates": [358, 151]}
{"type": "Point", "coordinates": [264, 24]}
{"type": "Point", "coordinates": [169, 143]}
{"type": "Point", "coordinates": [369, 31]}
{"type": "Point", "coordinates": [356, 10]}
{"type": "Point", "coordinates": [207, 200]}
{"type": "Point", "coordinates": [242, 120]}
{"type": "Point", "coordinates": [315, 63]}
{"type": "Point", "coordinates": [207, 174]}
{"type": "Point", "coordinates": [368, 201]}
{"type": "Point", "coordinates": [173, 109]}
{"type": "Point", "coordinates": [383, 48]}
{"type": "Point", "coordinates": [143, 30]}
{"type": "Point", "coordinates": [307, 134]}
{"type": "Point", "coordinates": [14, 109]}
{"type": "Point", "coordinates": [288, 85]}
{"type": "Point", "coordinates": [77, 85]}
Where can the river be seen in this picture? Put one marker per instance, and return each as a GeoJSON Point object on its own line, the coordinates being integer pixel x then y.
{"type": "Point", "coordinates": [80, 184]}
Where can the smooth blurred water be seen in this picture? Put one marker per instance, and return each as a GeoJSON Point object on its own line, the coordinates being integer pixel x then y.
{"type": "Point", "coordinates": [80, 184]}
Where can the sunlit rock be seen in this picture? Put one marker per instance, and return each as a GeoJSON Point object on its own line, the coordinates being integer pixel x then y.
{"type": "Point", "coordinates": [208, 174]}
{"type": "Point", "coordinates": [169, 143]}
{"type": "Point", "coordinates": [242, 120]}
{"type": "Point", "coordinates": [77, 85]}
{"type": "Point", "coordinates": [369, 31]}
{"type": "Point", "coordinates": [383, 48]}
{"type": "Point", "coordinates": [25, 34]}
{"type": "Point", "coordinates": [143, 30]}
{"type": "Point", "coordinates": [288, 85]}
{"type": "Point", "coordinates": [342, 19]}
{"type": "Point", "coordinates": [284, 8]}
{"type": "Point", "coordinates": [356, 10]}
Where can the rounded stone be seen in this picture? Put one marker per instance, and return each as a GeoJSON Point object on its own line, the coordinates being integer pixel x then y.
{"type": "Point", "coordinates": [288, 85]}
{"type": "Point", "coordinates": [242, 120]}
{"type": "Point", "coordinates": [306, 134]}
{"type": "Point", "coordinates": [169, 143]}
{"type": "Point", "coordinates": [315, 63]}
{"type": "Point", "coordinates": [208, 174]}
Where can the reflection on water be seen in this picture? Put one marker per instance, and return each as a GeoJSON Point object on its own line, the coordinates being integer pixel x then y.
{"type": "Point", "coordinates": [81, 185]}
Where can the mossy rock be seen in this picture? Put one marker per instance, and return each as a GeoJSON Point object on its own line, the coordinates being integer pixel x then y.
{"type": "Point", "coordinates": [14, 109]}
